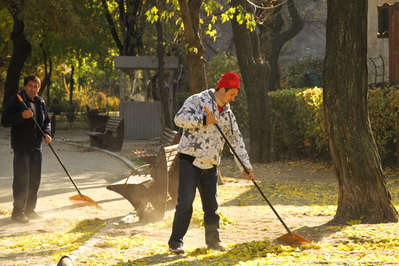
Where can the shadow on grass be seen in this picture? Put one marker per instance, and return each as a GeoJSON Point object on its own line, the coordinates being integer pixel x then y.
{"type": "Point", "coordinates": [315, 234]}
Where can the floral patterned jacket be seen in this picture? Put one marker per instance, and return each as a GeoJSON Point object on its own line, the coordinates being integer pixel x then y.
{"type": "Point", "coordinates": [204, 142]}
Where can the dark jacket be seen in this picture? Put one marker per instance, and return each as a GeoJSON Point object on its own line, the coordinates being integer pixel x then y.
{"type": "Point", "coordinates": [24, 133]}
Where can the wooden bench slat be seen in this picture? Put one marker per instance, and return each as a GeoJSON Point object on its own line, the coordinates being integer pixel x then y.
{"type": "Point", "coordinates": [136, 180]}
{"type": "Point", "coordinates": [112, 129]}
{"type": "Point", "coordinates": [170, 149]}
{"type": "Point", "coordinates": [169, 134]}
{"type": "Point", "coordinates": [112, 126]}
{"type": "Point", "coordinates": [113, 123]}
{"type": "Point", "coordinates": [167, 138]}
{"type": "Point", "coordinates": [93, 133]}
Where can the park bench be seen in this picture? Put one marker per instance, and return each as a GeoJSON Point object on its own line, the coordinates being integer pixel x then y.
{"type": "Point", "coordinates": [149, 151]}
{"type": "Point", "coordinates": [152, 193]}
{"type": "Point", "coordinates": [109, 135]}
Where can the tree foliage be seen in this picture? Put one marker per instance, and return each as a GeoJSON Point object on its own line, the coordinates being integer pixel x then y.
{"type": "Point", "coordinates": [67, 33]}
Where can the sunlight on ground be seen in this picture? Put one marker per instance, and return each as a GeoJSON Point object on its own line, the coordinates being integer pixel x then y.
{"type": "Point", "coordinates": [359, 244]}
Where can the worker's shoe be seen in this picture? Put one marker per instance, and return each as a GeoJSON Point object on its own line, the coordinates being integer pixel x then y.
{"type": "Point", "coordinates": [177, 250]}
{"type": "Point", "coordinates": [216, 246]}
{"type": "Point", "coordinates": [65, 261]}
{"type": "Point", "coordinates": [21, 218]}
{"type": "Point", "coordinates": [33, 215]}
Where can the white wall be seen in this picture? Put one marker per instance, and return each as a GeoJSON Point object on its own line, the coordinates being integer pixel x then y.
{"type": "Point", "coordinates": [377, 46]}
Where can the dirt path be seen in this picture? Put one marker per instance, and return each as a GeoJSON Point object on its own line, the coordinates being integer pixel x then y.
{"type": "Point", "coordinates": [91, 170]}
{"type": "Point", "coordinates": [245, 215]}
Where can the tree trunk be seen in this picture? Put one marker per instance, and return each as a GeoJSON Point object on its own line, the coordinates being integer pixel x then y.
{"type": "Point", "coordinates": [47, 80]}
{"type": "Point", "coordinates": [161, 74]}
{"type": "Point", "coordinates": [112, 28]}
{"type": "Point", "coordinates": [362, 190]}
{"type": "Point", "coordinates": [255, 74]}
{"type": "Point", "coordinates": [190, 13]}
{"type": "Point", "coordinates": [133, 28]}
{"type": "Point", "coordinates": [48, 68]}
{"type": "Point", "coordinates": [21, 51]}
{"type": "Point", "coordinates": [72, 85]}
{"type": "Point", "coordinates": [279, 41]}
{"type": "Point", "coordinates": [129, 12]}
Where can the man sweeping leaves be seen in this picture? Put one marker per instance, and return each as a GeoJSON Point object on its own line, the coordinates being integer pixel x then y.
{"type": "Point", "coordinates": [200, 148]}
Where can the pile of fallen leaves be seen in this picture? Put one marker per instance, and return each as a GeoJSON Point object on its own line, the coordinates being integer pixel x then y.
{"type": "Point", "coordinates": [361, 244]}
{"type": "Point", "coordinates": [71, 236]}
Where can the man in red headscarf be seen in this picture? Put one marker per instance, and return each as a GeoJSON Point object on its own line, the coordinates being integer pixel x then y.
{"type": "Point", "coordinates": [200, 148]}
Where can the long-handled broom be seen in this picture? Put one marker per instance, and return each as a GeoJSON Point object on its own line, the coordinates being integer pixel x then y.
{"type": "Point", "coordinates": [80, 199]}
{"type": "Point", "coordinates": [290, 238]}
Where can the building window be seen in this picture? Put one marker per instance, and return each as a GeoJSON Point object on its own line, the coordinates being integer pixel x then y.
{"type": "Point", "coordinates": [383, 22]}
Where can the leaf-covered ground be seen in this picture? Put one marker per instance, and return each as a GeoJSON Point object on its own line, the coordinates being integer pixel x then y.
{"type": "Point", "coordinates": [303, 194]}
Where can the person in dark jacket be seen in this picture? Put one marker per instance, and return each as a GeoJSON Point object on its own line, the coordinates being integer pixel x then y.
{"type": "Point", "coordinates": [26, 141]}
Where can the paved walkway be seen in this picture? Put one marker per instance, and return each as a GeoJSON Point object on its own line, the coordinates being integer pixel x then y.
{"type": "Point", "coordinates": [91, 170]}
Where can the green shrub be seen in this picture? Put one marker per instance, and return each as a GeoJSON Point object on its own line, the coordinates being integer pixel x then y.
{"type": "Point", "coordinates": [298, 125]}
{"type": "Point", "coordinates": [297, 120]}
{"type": "Point", "coordinates": [384, 120]}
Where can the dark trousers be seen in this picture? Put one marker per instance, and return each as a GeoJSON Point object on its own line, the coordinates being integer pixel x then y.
{"type": "Point", "coordinates": [191, 177]}
{"type": "Point", "coordinates": [27, 175]}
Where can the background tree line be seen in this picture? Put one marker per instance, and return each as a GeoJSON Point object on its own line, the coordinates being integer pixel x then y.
{"type": "Point", "coordinates": [84, 36]}
{"type": "Point", "coordinates": [71, 45]}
